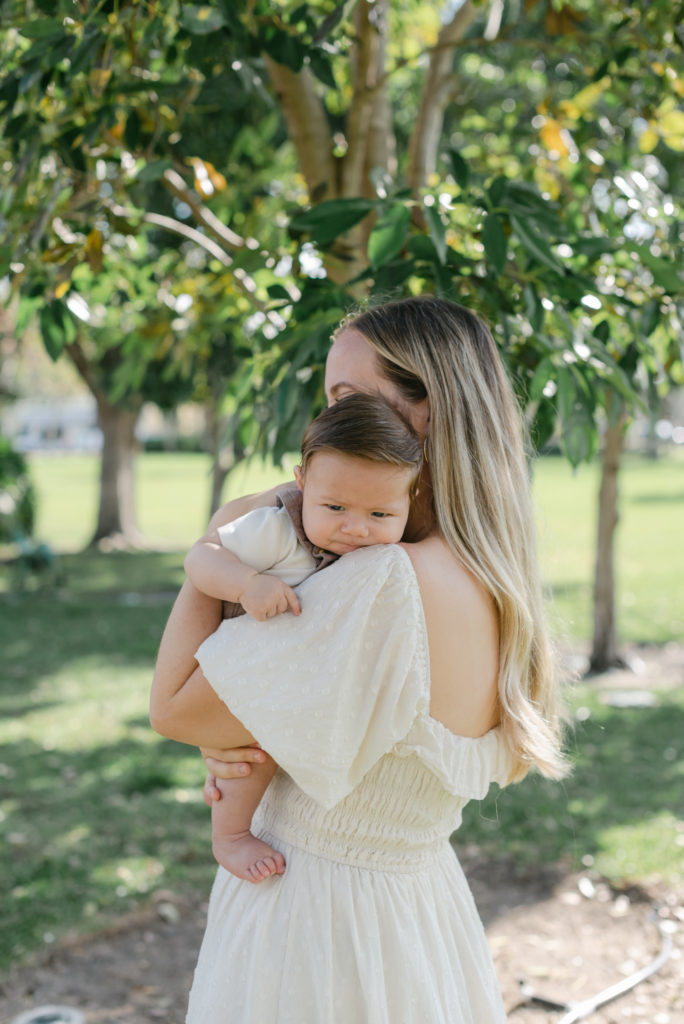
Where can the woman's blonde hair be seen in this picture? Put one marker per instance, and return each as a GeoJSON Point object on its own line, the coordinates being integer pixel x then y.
{"type": "Point", "coordinates": [430, 347]}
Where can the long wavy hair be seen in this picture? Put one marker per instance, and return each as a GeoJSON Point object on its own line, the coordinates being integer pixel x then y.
{"type": "Point", "coordinates": [430, 347]}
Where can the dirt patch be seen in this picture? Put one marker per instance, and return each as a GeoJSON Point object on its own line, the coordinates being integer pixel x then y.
{"type": "Point", "coordinates": [565, 937]}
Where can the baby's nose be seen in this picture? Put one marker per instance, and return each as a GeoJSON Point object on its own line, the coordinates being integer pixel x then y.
{"type": "Point", "coordinates": [356, 526]}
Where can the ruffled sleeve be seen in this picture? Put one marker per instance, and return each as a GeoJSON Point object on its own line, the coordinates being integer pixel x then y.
{"type": "Point", "coordinates": [466, 766]}
{"type": "Point", "coordinates": [329, 692]}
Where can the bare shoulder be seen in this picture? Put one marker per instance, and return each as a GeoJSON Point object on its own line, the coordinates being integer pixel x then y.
{"type": "Point", "coordinates": [463, 642]}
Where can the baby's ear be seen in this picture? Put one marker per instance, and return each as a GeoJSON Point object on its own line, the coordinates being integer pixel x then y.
{"type": "Point", "coordinates": [299, 477]}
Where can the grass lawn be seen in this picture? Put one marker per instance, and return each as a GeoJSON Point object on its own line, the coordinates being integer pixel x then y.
{"type": "Point", "coordinates": [649, 554]}
{"type": "Point", "coordinates": [96, 811]}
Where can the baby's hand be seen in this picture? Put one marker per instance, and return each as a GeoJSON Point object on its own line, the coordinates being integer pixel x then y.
{"type": "Point", "coordinates": [266, 596]}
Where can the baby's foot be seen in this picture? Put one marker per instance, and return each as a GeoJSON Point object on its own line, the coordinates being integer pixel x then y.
{"type": "Point", "coordinates": [247, 857]}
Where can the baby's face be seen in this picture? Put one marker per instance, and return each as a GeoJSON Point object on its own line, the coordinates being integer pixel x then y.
{"type": "Point", "coordinates": [351, 503]}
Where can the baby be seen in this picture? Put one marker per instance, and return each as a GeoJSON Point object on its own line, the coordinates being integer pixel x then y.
{"type": "Point", "coordinates": [360, 464]}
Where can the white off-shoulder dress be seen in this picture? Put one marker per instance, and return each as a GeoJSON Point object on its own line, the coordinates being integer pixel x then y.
{"type": "Point", "coordinates": [373, 921]}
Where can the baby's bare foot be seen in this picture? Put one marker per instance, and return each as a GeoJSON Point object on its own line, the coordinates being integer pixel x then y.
{"type": "Point", "coordinates": [247, 857]}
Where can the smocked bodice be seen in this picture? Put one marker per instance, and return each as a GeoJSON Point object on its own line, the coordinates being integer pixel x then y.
{"type": "Point", "coordinates": [398, 818]}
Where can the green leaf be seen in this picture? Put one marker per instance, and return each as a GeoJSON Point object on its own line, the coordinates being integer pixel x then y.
{"type": "Point", "coordinates": [85, 51]}
{"type": "Point", "coordinates": [526, 202]}
{"type": "Point", "coordinates": [322, 68]}
{"type": "Point", "coordinates": [41, 28]}
{"type": "Point", "coordinates": [534, 309]}
{"type": "Point", "coordinates": [664, 272]}
{"type": "Point", "coordinates": [602, 331]}
{"type": "Point", "coordinates": [541, 377]}
{"type": "Point", "coordinates": [578, 428]}
{"type": "Point", "coordinates": [494, 241]}
{"type": "Point", "coordinates": [25, 314]}
{"type": "Point", "coordinates": [56, 327]}
{"type": "Point", "coordinates": [285, 49]}
{"type": "Point", "coordinates": [536, 246]}
{"type": "Point", "coordinates": [388, 279]}
{"type": "Point", "coordinates": [459, 168]}
{"type": "Point", "coordinates": [579, 439]}
{"type": "Point", "coordinates": [9, 91]}
{"type": "Point", "coordinates": [132, 131]}
{"type": "Point", "coordinates": [6, 257]}
{"type": "Point", "coordinates": [330, 23]}
{"type": "Point", "coordinates": [650, 317]}
{"type": "Point", "coordinates": [201, 19]}
{"type": "Point", "coordinates": [326, 221]}
{"type": "Point", "coordinates": [592, 247]}
{"type": "Point", "coordinates": [496, 190]}
{"type": "Point", "coordinates": [153, 171]}
{"type": "Point", "coordinates": [423, 248]}
{"type": "Point", "coordinates": [277, 291]}
{"type": "Point", "coordinates": [543, 424]}
{"type": "Point", "coordinates": [388, 237]}
{"type": "Point", "coordinates": [437, 231]}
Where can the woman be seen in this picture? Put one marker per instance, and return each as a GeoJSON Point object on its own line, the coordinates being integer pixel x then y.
{"type": "Point", "coordinates": [415, 676]}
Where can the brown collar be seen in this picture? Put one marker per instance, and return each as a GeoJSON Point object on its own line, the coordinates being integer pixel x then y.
{"type": "Point", "coordinates": [291, 501]}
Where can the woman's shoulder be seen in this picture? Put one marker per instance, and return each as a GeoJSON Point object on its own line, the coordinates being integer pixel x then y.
{"type": "Point", "coordinates": [437, 569]}
{"type": "Point", "coordinates": [452, 595]}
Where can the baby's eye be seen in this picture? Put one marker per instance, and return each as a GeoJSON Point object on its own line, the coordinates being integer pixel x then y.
{"type": "Point", "coordinates": [380, 515]}
{"type": "Point", "coordinates": [336, 508]}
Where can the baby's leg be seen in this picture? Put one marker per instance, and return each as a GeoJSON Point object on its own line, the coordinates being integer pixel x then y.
{"type": "Point", "coordinates": [234, 846]}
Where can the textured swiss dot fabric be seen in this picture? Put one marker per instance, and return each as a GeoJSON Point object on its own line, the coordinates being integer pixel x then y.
{"type": "Point", "coordinates": [373, 921]}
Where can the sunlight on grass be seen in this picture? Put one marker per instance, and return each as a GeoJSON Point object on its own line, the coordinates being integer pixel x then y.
{"type": "Point", "coordinates": [649, 561]}
{"type": "Point", "coordinates": [172, 495]}
{"type": "Point", "coordinates": [603, 813]}
{"type": "Point", "coordinates": [650, 848]}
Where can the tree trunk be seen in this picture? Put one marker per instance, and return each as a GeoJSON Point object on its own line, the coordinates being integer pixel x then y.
{"type": "Point", "coordinates": [224, 457]}
{"type": "Point", "coordinates": [116, 520]}
{"type": "Point", "coordinates": [604, 652]}
{"type": "Point", "coordinates": [438, 89]}
{"type": "Point", "coordinates": [221, 465]}
{"type": "Point", "coordinates": [116, 511]}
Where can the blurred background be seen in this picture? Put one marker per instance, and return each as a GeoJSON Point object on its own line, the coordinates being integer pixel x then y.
{"type": "Point", "coordinates": [192, 197]}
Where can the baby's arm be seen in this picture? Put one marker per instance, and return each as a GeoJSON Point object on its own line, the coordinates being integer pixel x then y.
{"type": "Point", "coordinates": [217, 572]}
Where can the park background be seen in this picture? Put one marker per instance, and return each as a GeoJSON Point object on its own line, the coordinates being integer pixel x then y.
{"type": "Point", "coordinates": [192, 200]}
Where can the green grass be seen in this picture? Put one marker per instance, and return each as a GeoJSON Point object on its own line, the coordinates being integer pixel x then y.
{"type": "Point", "coordinates": [621, 810]}
{"type": "Point", "coordinates": [96, 811]}
{"type": "Point", "coordinates": [649, 553]}
{"type": "Point", "coordinates": [172, 492]}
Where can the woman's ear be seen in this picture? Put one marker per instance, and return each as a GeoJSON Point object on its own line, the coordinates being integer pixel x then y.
{"type": "Point", "coordinates": [299, 477]}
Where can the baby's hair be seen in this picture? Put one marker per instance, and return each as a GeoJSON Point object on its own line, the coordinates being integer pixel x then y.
{"type": "Point", "coordinates": [365, 426]}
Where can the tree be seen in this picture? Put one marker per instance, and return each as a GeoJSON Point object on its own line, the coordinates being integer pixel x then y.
{"type": "Point", "coordinates": [519, 158]}
{"type": "Point", "coordinates": [95, 226]}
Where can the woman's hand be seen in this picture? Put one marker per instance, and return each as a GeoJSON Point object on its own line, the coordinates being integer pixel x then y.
{"type": "Point", "coordinates": [228, 764]}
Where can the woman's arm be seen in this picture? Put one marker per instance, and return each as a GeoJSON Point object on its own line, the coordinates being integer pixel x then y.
{"type": "Point", "coordinates": [183, 706]}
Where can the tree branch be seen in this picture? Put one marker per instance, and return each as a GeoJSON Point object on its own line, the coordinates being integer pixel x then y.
{"type": "Point", "coordinates": [367, 66]}
{"type": "Point", "coordinates": [177, 187]}
{"type": "Point", "coordinates": [437, 91]}
{"type": "Point", "coordinates": [307, 124]}
{"type": "Point", "coordinates": [244, 282]}
{"type": "Point", "coordinates": [83, 367]}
